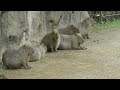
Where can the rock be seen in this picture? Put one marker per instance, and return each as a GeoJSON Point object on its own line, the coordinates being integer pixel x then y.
{"type": "Point", "coordinates": [36, 23]}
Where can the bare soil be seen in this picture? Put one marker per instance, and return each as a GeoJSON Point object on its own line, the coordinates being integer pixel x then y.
{"type": "Point", "coordinates": [101, 60]}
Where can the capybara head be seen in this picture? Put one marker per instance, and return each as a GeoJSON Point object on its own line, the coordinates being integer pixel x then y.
{"type": "Point", "coordinates": [93, 22]}
{"type": "Point", "coordinates": [90, 22]}
{"type": "Point", "coordinates": [80, 38]}
{"type": "Point", "coordinates": [73, 29]}
{"type": "Point", "coordinates": [55, 34]}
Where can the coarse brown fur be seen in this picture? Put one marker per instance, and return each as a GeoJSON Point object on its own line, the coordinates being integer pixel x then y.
{"type": "Point", "coordinates": [85, 26]}
{"type": "Point", "coordinates": [36, 55]}
{"type": "Point", "coordinates": [43, 49]}
{"type": "Point", "coordinates": [71, 42]}
{"type": "Point", "coordinates": [69, 30]}
{"type": "Point", "coordinates": [52, 40]}
{"type": "Point", "coordinates": [15, 59]}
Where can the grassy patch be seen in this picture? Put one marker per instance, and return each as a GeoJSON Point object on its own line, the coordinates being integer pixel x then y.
{"type": "Point", "coordinates": [106, 25]}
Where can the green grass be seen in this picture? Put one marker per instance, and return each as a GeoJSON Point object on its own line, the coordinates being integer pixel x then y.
{"type": "Point", "coordinates": [106, 25]}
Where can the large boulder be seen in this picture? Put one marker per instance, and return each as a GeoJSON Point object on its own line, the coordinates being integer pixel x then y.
{"type": "Point", "coordinates": [37, 26]}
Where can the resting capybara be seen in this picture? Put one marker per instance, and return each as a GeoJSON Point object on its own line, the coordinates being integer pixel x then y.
{"type": "Point", "coordinates": [85, 26]}
{"type": "Point", "coordinates": [71, 42]}
{"type": "Point", "coordinates": [36, 55]}
{"type": "Point", "coordinates": [15, 59]}
{"type": "Point", "coordinates": [69, 30]}
{"type": "Point", "coordinates": [43, 49]}
{"type": "Point", "coordinates": [52, 40]}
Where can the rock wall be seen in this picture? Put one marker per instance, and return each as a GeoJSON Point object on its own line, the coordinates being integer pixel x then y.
{"type": "Point", "coordinates": [36, 23]}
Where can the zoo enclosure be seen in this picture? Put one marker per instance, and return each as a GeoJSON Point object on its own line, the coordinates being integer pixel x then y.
{"type": "Point", "coordinates": [103, 16]}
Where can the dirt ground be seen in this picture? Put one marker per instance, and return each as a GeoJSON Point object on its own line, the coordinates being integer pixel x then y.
{"type": "Point", "coordinates": [100, 61]}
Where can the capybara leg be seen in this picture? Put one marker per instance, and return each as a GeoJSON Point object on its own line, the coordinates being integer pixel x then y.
{"type": "Point", "coordinates": [4, 67]}
{"type": "Point", "coordinates": [79, 48]}
{"type": "Point", "coordinates": [51, 49]}
{"type": "Point", "coordinates": [28, 65]}
{"type": "Point", "coordinates": [25, 66]}
{"type": "Point", "coordinates": [83, 48]}
{"type": "Point", "coordinates": [55, 49]}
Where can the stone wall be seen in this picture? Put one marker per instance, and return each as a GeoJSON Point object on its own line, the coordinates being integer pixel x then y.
{"type": "Point", "coordinates": [36, 23]}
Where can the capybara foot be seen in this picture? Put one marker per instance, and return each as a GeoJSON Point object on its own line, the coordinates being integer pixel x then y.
{"type": "Point", "coordinates": [83, 48]}
{"type": "Point", "coordinates": [27, 67]}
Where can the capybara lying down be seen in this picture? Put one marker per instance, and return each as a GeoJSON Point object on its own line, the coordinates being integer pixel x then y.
{"type": "Point", "coordinates": [71, 42]}
{"type": "Point", "coordinates": [43, 49]}
{"type": "Point", "coordinates": [69, 30]}
{"type": "Point", "coordinates": [52, 40]}
{"type": "Point", "coordinates": [36, 55]}
{"type": "Point", "coordinates": [16, 59]}
{"type": "Point", "coordinates": [39, 52]}
{"type": "Point", "coordinates": [85, 26]}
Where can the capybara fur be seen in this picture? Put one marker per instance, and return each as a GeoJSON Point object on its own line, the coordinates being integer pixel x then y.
{"type": "Point", "coordinates": [85, 26]}
{"type": "Point", "coordinates": [52, 40]}
{"type": "Point", "coordinates": [69, 30]}
{"type": "Point", "coordinates": [36, 55]}
{"type": "Point", "coordinates": [16, 59]}
{"type": "Point", "coordinates": [43, 49]}
{"type": "Point", "coordinates": [71, 42]}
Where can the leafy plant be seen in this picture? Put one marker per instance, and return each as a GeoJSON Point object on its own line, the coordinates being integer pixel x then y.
{"type": "Point", "coordinates": [106, 25]}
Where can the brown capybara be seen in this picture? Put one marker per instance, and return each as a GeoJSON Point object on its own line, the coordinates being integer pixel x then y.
{"type": "Point", "coordinates": [16, 59]}
{"type": "Point", "coordinates": [52, 40]}
{"type": "Point", "coordinates": [36, 55]}
{"type": "Point", "coordinates": [71, 42]}
{"type": "Point", "coordinates": [43, 49]}
{"type": "Point", "coordinates": [85, 26]}
{"type": "Point", "coordinates": [69, 30]}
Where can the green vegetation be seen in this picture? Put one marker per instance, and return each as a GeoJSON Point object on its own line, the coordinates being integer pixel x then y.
{"type": "Point", "coordinates": [106, 25]}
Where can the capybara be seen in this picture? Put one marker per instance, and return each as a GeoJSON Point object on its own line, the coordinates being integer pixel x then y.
{"type": "Point", "coordinates": [52, 40]}
{"type": "Point", "coordinates": [36, 55]}
{"type": "Point", "coordinates": [25, 40]}
{"type": "Point", "coordinates": [85, 26]}
{"type": "Point", "coordinates": [43, 49]}
{"type": "Point", "coordinates": [69, 30]}
{"type": "Point", "coordinates": [71, 42]}
{"type": "Point", "coordinates": [17, 58]}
